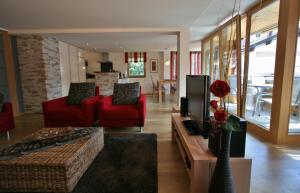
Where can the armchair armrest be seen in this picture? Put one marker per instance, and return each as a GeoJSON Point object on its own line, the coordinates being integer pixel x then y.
{"type": "Point", "coordinates": [7, 108]}
{"type": "Point", "coordinates": [89, 108]}
{"type": "Point", "coordinates": [142, 110]}
{"type": "Point", "coordinates": [105, 103]}
{"type": "Point", "coordinates": [54, 103]}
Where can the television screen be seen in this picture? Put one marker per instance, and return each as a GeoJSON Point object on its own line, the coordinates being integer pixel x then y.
{"type": "Point", "coordinates": [197, 93]}
{"type": "Point", "coordinates": [106, 66]}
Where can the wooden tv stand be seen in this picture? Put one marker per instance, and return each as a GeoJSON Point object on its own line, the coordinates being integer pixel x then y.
{"type": "Point", "coordinates": [200, 162]}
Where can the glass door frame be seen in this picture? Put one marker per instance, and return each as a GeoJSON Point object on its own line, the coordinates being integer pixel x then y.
{"type": "Point", "coordinates": [218, 32]}
{"type": "Point", "coordinates": [289, 11]}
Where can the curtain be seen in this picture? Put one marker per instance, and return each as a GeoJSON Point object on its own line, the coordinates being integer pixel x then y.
{"type": "Point", "coordinates": [173, 66]}
{"type": "Point", "coordinates": [195, 63]}
{"type": "Point", "coordinates": [135, 57]}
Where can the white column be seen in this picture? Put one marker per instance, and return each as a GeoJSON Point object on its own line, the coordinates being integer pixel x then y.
{"type": "Point", "coordinates": [183, 44]}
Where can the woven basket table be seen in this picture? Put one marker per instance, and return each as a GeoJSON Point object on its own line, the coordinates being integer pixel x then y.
{"type": "Point", "coordinates": [55, 169]}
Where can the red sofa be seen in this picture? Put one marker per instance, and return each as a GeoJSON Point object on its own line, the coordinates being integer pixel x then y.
{"type": "Point", "coordinates": [7, 119]}
{"type": "Point", "coordinates": [57, 113]}
{"type": "Point", "coordinates": [122, 115]}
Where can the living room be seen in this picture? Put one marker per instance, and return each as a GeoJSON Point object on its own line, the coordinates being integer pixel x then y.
{"type": "Point", "coordinates": [101, 54]}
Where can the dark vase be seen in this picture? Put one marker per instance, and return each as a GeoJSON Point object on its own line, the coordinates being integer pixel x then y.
{"type": "Point", "coordinates": [222, 180]}
{"type": "Point", "coordinates": [214, 143]}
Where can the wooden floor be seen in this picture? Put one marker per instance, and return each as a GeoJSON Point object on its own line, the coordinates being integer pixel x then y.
{"type": "Point", "coordinates": [275, 169]}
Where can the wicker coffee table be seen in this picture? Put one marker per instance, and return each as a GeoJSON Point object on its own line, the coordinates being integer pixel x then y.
{"type": "Point", "coordinates": [55, 169]}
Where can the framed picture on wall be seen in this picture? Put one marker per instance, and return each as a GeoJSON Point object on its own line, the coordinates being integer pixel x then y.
{"type": "Point", "coordinates": [153, 65]}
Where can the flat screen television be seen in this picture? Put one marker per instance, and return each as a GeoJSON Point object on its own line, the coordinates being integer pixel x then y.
{"type": "Point", "coordinates": [106, 66]}
{"type": "Point", "coordinates": [198, 95]}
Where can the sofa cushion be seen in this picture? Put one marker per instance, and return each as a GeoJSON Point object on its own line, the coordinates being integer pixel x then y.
{"type": "Point", "coordinates": [121, 112]}
{"type": "Point", "coordinates": [80, 91]}
{"type": "Point", "coordinates": [126, 94]}
{"type": "Point", "coordinates": [67, 112]}
{"type": "Point", "coordinates": [1, 101]}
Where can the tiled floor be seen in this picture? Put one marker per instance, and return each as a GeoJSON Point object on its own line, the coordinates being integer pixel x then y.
{"type": "Point", "coordinates": [275, 169]}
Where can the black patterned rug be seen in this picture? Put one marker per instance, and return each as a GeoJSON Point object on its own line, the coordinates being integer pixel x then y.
{"type": "Point", "coordinates": [127, 164]}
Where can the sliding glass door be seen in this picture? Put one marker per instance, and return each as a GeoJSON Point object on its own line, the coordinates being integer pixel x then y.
{"type": "Point", "coordinates": [262, 53]}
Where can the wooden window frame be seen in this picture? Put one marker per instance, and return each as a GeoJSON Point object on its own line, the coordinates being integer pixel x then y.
{"type": "Point", "coordinates": [218, 32]}
{"type": "Point", "coordinates": [289, 11]}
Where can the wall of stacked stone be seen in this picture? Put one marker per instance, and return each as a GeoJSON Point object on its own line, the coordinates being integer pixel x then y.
{"type": "Point", "coordinates": [106, 81]}
{"type": "Point", "coordinates": [40, 70]}
{"type": "Point", "coordinates": [52, 68]}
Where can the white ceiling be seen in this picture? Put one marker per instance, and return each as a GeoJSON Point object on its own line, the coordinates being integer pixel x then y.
{"type": "Point", "coordinates": [120, 42]}
{"type": "Point", "coordinates": [200, 16]}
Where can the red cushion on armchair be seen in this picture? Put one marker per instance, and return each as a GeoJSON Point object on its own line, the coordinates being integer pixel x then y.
{"type": "Point", "coordinates": [65, 112]}
{"type": "Point", "coordinates": [121, 112]}
{"type": "Point", "coordinates": [121, 115]}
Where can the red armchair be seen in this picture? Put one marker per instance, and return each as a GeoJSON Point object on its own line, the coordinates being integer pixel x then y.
{"type": "Point", "coordinates": [7, 119]}
{"type": "Point", "coordinates": [122, 115]}
{"type": "Point", "coordinates": [57, 113]}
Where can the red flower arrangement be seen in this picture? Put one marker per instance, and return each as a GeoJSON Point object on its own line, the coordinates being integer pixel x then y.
{"type": "Point", "coordinates": [220, 89]}
{"type": "Point", "coordinates": [220, 116]}
{"type": "Point", "coordinates": [214, 104]}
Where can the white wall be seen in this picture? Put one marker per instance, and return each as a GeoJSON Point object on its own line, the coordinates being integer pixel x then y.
{"type": "Point", "coordinates": [118, 60]}
{"type": "Point", "coordinates": [93, 59]}
{"type": "Point", "coordinates": [64, 67]}
{"type": "Point", "coordinates": [119, 64]}
{"type": "Point", "coordinates": [73, 56]}
{"type": "Point", "coordinates": [72, 66]}
{"type": "Point", "coordinates": [81, 66]}
{"type": "Point", "coordinates": [183, 43]}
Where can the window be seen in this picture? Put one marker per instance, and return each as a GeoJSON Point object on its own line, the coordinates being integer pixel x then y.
{"type": "Point", "coordinates": [136, 69]}
{"type": "Point", "coordinates": [215, 59]}
{"type": "Point", "coordinates": [229, 62]}
{"type": "Point", "coordinates": [136, 64]}
{"type": "Point", "coordinates": [206, 57]}
{"type": "Point", "coordinates": [263, 42]}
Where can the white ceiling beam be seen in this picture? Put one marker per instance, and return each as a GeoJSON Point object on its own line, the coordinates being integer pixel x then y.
{"type": "Point", "coordinates": [165, 31]}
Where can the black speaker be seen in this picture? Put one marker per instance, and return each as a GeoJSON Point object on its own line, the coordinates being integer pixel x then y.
{"type": "Point", "coordinates": [184, 111]}
{"type": "Point", "coordinates": [238, 140]}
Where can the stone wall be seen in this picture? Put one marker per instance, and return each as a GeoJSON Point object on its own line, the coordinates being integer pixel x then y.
{"type": "Point", "coordinates": [106, 81]}
{"type": "Point", "coordinates": [52, 68]}
{"type": "Point", "coordinates": [40, 70]}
